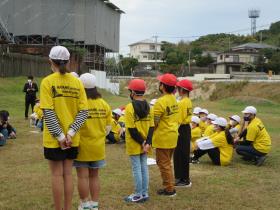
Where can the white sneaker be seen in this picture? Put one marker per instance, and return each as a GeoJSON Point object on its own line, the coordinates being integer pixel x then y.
{"type": "Point", "coordinates": [84, 206]}
{"type": "Point", "coordinates": [93, 205]}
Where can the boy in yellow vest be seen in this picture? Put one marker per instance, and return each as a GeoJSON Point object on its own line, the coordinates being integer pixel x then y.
{"type": "Point", "coordinates": [140, 127]}
{"type": "Point", "coordinates": [210, 127]}
{"type": "Point", "coordinates": [166, 131]}
{"type": "Point", "coordinates": [182, 151]}
{"type": "Point", "coordinates": [196, 131]}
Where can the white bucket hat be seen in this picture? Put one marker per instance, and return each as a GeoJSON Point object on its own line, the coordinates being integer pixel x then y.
{"type": "Point", "coordinates": [250, 110]}
{"type": "Point", "coordinates": [117, 111]}
{"type": "Point", "coordinates": [212, 117]}
{"type": "Point", "coordinates": [59, 53]}
{"type": "Point", "coordinates": [235, 118]}
{"type": "Point", "coordinates": [205, 111]}
{"type": "Point", "coordinates": [88, 80]}
{"type": "Point", "coordinates": [196, 110]}
{"type": "Point", "coordinates": [220, 121]}
{"type": "Point", "coordinates": [195, 119]}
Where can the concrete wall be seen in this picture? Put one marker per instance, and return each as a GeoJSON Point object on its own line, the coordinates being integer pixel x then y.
{"type": "Point", "coordinates": [105, 83]}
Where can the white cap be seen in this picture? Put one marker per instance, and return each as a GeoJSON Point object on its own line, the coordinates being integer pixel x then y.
{"type": "Point", "coordinates": [74, 74]}
{"type": "Point", "coordinates": [235, 118]}
{"type": "Point", "coordinates": [204, 111]}
{"type": "Point", "coordinates": [195, 119]}
{"type": "Point", "coordinates": [196, 110]}
{"type": "Point", "coordinates": [117, 111]}
{"type": "Point", "coordinates": [88, 80]}
{"type": "Point", "coordinates": [220, 121]}
{"type": "Point", "coordinates": [153, 101]}
{"type": "Point", "coordinates": [59, 53]}
{"type": "Point", "coordinates": [250, 110]}
{"type": "Point", "coordinates": [212, 116]}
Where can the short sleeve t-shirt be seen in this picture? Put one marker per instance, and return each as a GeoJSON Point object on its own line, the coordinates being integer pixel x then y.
{"type": "Point", "coordinates": [185, 111]}
{"type": "Point", "coordinates": [65, 95]}
{"type": "Point", "coordinates": [257, 133]}
{"type": "Point", "coordinates": [226, 150]}
{"type": "Point", "coordinates": [93, 132]}
{"type": "Point", "coordinates": [142, 125]}
{"type": "Point", "coordinates": [166, 133]}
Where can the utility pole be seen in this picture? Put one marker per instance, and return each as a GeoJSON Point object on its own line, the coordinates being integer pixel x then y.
{"type": "Point", "coordinates": [189, 61]}
{"type": "Point", "coordinates": [156, 40]}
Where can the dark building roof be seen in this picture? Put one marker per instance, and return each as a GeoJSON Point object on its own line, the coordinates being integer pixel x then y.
{"type": "Point", "coordinates": [256, 46]}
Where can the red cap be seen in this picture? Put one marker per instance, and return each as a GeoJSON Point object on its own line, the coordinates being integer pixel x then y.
{"type": "Point", "coordinates": [168, 79]}
{"type": "Point", "coordinates": [185, 84]}
{"type": "Point", "coordinates": [137, 85]}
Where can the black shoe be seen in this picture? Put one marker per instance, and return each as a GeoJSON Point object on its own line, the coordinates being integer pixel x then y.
{"type": "Point", "coordinates": [260, 160]}
{"type": "Point", "coordinates": [166, 193]}
{"type": "Point", "coordinates": [194, 161]}
{"type": "Point", "coordinates": [183, 183]}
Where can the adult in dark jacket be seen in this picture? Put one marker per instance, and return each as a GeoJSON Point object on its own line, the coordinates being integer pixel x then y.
{"type": "Point", "coordinates": [30, 89]}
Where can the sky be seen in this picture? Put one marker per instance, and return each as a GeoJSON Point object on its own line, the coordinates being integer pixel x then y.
{"type": "Point", "coordinates": [174, 20]}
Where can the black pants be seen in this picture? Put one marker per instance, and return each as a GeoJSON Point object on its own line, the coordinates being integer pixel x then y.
{"type": "Point", "coordinates": [214, 155]}
{"type": "Point", "coordinates": [248, 152]}
{"type": "Point", "coordinates": [29, 101]}
{"type": "Point", "coordinates": [181, 156]}
{"type": "Point", "coordinates": [111, 138]}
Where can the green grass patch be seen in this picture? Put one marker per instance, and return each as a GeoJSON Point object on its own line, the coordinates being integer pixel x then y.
{"type": "Point", "coordinates": [25, 177]}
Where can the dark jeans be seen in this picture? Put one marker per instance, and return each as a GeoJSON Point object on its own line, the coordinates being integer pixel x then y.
{"type": "Point", "coordinates": [181, 156]}
{"type": "Point", "coordinates": [248, 152]}
{"type": "Point", "coordinates": [214, 155]}
{"type": "Point", "coordinates": [29, 101]}
{"type": "Point", "coordinates": [111, 138]}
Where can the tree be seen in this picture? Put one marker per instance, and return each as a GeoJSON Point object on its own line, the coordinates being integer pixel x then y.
{"type": "Point", "coordinates": [128, 65]}
{"type": "Point", "coordinates": [274, 63]}
{"type": "Point", "coordinates": [204, 61]}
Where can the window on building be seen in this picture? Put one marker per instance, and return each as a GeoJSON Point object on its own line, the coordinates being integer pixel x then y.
{"type": "Point", "coordinates": [221, 57]}
{"type": "Point", "coordinates": [152, 47]}
{"type": "Point", "coordinates": [236, 58]}
{"type": "Point", "coordinates": [227, 56]}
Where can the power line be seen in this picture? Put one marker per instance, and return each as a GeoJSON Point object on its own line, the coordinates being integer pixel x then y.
{"type": "Point", "coordinates": [197, 36]}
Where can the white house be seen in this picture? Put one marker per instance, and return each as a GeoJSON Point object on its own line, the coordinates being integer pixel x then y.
{"type": "Point", "coordinates": [145, 52]}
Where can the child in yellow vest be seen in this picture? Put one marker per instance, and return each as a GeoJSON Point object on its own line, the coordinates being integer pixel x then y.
{"type": "Point", "coordinates": [140, 126]}
{"type": "Point", "coordinates": [64, 103]}
{"type": "Point", "coordinates": [92, 145]}
{"type": "Point", "coordinates": [219, 146]}
{"type": "Point", "coordinates": [114, 135]}
{"type": "Point", "coordinates": [196, 131]}
{"type": "Point", "coordinates": [203, 117]}
{"type": "Point", "coordinates": [166, 132]}
{"type": "Point", "coordinates": [182, 151]}
{"type": "Point", "coordinates": [210, 127]}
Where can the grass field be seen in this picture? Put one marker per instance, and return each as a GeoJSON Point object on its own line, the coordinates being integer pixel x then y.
{"type": "Point", "coordinates": [25, 178]}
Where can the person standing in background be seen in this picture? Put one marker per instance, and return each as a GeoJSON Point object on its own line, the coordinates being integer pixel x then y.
{"type": "Point", "coordinates": [30, 88]}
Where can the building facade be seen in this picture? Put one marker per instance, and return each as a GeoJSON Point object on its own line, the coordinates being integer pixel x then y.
{"type": "Point", "coordinates": [147, 52]}
{"type": "Point", "coordinates": [232, 61]}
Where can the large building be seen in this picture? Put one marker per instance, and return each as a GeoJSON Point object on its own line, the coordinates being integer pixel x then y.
{"type": "Point", "coordinates": [93, 25]}
{"type": "Point", "coordinates": [147, 52]}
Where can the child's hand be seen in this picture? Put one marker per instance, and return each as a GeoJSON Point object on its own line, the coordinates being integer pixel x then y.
{"type": "Point", "coordinates": [146, 148]}
{"type": "Point", "coordinates": [68, 140]}
{"type": "Point", "coordinates": [13, 135]}
{"type": "Point", "coordinates": [63, 144]}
